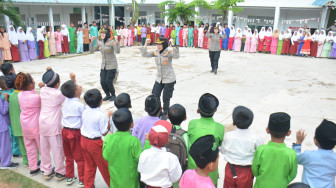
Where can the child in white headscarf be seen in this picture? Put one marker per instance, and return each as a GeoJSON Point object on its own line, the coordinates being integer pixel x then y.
{"type": "Point", "coordinates": [321, 39]}
{"type": "Point", "coordinates": [238, 38]}
{"type": "Point", "coordinates": [314, 43]}
{"type": "Point", "coordinates": [231, 37]}
{"type": "Point", "coordinates": [254, 41]}
{"type": "Point", "coordinates": [66, 40]}
{"type": "Point", "coordinates": [280, 42]}
{"type": "Point", "coordinates": [327, 45]}
{"type": "Point", "coordinates": [268, 39]}
{"type": "Point", "coordinates": [261, 39]}
{"type": "Point", "coordinates": [23, 48]}
{"type": "Point", "coordinates": [31, 44]}
{"type": "Point", "coordinates": [248, 40]}
{"type": "Point", "coordinates": [13, 39]}
{"type": "Point", "coordinates": [294, 41]}
{"type": "Point", "coordinates": [40, 41]}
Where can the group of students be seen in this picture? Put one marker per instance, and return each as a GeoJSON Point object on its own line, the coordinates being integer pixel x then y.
{"type": "Point", "coordinates": [142, 152]}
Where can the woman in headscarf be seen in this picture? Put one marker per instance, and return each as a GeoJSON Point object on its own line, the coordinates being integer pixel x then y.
{"type": "Point", "coordinates": [268, 40]}
{"type": "Point", "coordinates": [66, 39]}
{"type": "Point", "coordinates": [231, 37]}
{"type": "Point", "coordinates": [313, 44]}
{"type": "Point", "coordinates": [23, 48]}
{"type": "Point", "coordinates": [254, 41]}
{"type": "Point", "coordinates": [244, 38]}
{"type": "Point", "coordinates": [327, 45]}
{"type": "Point", "coordinates": [261, 39]}
{"type": "Point", "coordinates": [333, 48]}
{"type": "Point", "coordinates": [306, 44]}
{"type": "Point", "coordinates": [286, 43]}
{"type": "Point", "coordinates": [5, 45]}
{"type": "Point", "coordinates": [238, 38]}
{"type": "Point", "coordinates": [52, 41]}
{"type": "Point", "coordinates": [248, 40]}
{"type": "Point", "coordinates": [295, 44]}
{"type": "Point", "coordinates": [46, 42]}
{"type": "Point", "coordinates": [274, 43]}
{"type": "Point", "coordinates": [300, 32]}
{"type": "Point", "coordinates": [321, 39]}
{"type": "Point", "coordinates": [13, 39]}
{"type": "Point", "coordinates": [280, 42]}
{"type": "Point", "coordinates": [301, 42]}
{"type": "Point", "coordinates": [31, 44]}
{"type": "Point", "coordinates": [40, 41]}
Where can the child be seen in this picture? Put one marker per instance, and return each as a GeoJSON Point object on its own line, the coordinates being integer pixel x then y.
{"type": "Point", "coordinates": [125, 32]}
{"type": "Point", "coordinates": [195, 34]}
{"type": "Point", "coordinates": [143, 34]}
{"type": "Point", "coordinates": [185, 36]}
{"type": "Point", "coordinates": [95, 124]}
{"type": "Point", "coordinates": [238, 148]}
{"type": "Point", "coordinates": [80, 40]}
{"type": "Point", "coordinates": [9, 72]}
{"type": "Point", "coordinates": [51, 126]}
{"type": "Point", "coordinates": [144, 125]}
{"type": "Point", "coordinates": [157, 166]}
{"type": "Point", "coordinates": [58, 40]}
{"type": "Point", "coordinates": [130, 36]}
{"type": "Point", "coordinates": [206, 125]}
{"type": "Point", "coordinates": [122, 151]}
{"type": "Point", "coordinates": [274, 165]}
{"type": "Point", "coordinates": [190, 36]}
{"type": "Point", "coordinates": [319, 165]}
{"type": "Point", "coordinates": [30, 104]}
{"type": "Point", "coordinates": [173, 36]}
{"type": "Point", "coordinates": [72, 122]}
{"type": "Point", "coordinates": [5, 146]}
{"type": "Point", "coordinates": [205, 153]}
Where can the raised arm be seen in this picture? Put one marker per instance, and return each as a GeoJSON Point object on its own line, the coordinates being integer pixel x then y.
{"type": "Point", "coordinates": [93, 48]}
{"type": "Point", "coordinates": [116, 45]}
{"type": "Point", "coordinates": [175, 53]}
{"type": "Point", "coordinates": [144, 51]}
{"type": "Point", "coordinates": [208, 34]}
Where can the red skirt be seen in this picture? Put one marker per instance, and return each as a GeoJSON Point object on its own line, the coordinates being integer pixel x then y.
{"type": "Point", "coordinates": [261, 45]}
{"type": "Point", "coordinates": [268, 41]}
{"type": "Point", "coordinates": [195, 41]}
{"type": "Point", "coordinates": [181, 40]}
{"type": "Point", "coordinates": [205, 43]}
{"type": "Point", "coordinates": [41, 49]}
{"type": "Point", "coordinates": [152, 37]}
{"type": "Point", "coordinates": [221, 43]}
{"type": "Point", "coordinates": [294, 48]}
{"type": "Point", "coordinates": [313, 49]}
{"type": "Point", "coordinates": [285, 46]}
{"type": "Point", "coordinates": [65, 45]}
{"type": "Point", "coordinates": [231, 40]}
{"type": "Point", "coordinates": [15, 53]}
{"type": "Point", "coordinates": [139, 38]}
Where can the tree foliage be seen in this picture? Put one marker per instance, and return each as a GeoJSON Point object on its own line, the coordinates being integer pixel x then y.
{"type": "Point", "coordinates": [182, 10]}
{"type": "Point", "coordinates": [223, 6]}
{"type": "Point", "coordinates": [6, 8]}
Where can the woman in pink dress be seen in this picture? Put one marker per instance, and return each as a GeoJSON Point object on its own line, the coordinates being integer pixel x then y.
{"type": "Point", "coordinates": [58, 40]}
{"type": "Point", "coordinates": [248, 40]}
{"type": "Point", "coordinates": [274, 43]}
{"type": "Point", "coordinates": [238, 37]}
{"type": "Point", "coordinates": [52, 42]}
{"type": "Point", "coordinates": [321, 39]}
{"type": "Point", "coordinates": [5, 45]}
{"type": "Point", "coordinates": [261, 40]}
{"type": "Point", "coordinates": [254, 41]}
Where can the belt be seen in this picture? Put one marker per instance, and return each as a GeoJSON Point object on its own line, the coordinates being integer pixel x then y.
{"type": "Point", "coordinates": [233, 170]}
{"type": "Point", "coordinates": [70, 128]}
{"type": "Point", "coordinates": [96, 138]}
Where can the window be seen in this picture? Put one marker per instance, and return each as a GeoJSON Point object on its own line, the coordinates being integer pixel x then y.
{"type": "Point", "coordinates": [158, 18]}
{"type": "Point", "coordinates": [42, 18]}
{"type": "Point", "coordinates": [259, 21]}
{"type": "Point", "coordinates": [142, 20]}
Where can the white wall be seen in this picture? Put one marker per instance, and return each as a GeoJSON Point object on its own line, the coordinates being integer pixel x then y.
{"type": "Point", "coordinates": [299, 14]}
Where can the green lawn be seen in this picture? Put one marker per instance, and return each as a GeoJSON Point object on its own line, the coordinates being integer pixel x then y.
{"type": "Point", "coordinates": [9, 178]}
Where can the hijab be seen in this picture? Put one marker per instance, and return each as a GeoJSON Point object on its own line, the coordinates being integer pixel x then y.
{"type": "Point", "coordinates": [288, 34]}
{"type": "Point", "coordinates": [64, 30]}
{"type": "Point", "coordinates": [300, 33]}
{"type": "Point", "coordinates": [262, 33]}
{"type": "Point", "coordinates": [315, 36]}
{"type": "Point", "coordinates": [245, 30]}
{"type": "Point", "coordinates": [232, 31]}
{"type": "Point", "coordinates": [329, 37]}
{"type": "Point", "coordinates": [322, 37]}
{"type": "Point", "coordinates": [249, 33]}
{"type": "Point", "coordinates": [255, 34]}
{"type": "Point", "coordinates": [306, 37]}
{"type": "Point", "coordinates": [281, 36]}
{"type": "Point", "coordinates": [12, 36]}
{"type": "Point", "coordinates": [21, 35]}
{"type": "Point", "coordinates": [29, 34]}
{"type": "Point", "coordinates": [269, 32]}
{"type": "Point", "coordinates": [295, 37]}
{"type": "Point", "coordinates": [239, 34]}
{"type": "Point", "coordinates": [276, 33]}
{"type": "Point", "coordinates": [39, 35]}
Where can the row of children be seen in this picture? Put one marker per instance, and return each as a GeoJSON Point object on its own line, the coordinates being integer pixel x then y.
{"type": "Point", "coordinates": [73, 132]}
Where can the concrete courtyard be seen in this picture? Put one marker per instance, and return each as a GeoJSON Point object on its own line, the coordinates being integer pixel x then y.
{"type": "Point", "coordinates": [303, 87]}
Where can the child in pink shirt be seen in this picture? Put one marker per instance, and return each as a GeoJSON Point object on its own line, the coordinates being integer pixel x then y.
{"type": "Point", "coordinates": [204, 151]}
{"type": "Point", "coordinates": [130, 36]}
{"type": "Point", "coordinates": [30, 104]}
{"type": "Point", "coordinates": [50, 126]}
{"type": "Point", "coordinates": [185, 35]}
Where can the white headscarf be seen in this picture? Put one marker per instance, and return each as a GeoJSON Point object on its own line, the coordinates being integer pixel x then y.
{"type": "Point", "coordinates": [281, 36]}
{"type": "Point", "coordinates": [39, 35]}
{"type": "Point", "coordinates": [269, 32]}
{"type": "Point", "coordinates": [329, 37]}
{"type": "Point", "coordinates": [12, 36]}
{"type": "Point", "coordinates": [21, 35]}
{"type": "Point", "coordinates": [249, 33]}
{"type": "Point", "coordinates": [295, 37]}
{"type": "Point", "coordinates": [315, 36]}
{"type": "Point", "coordinates": [322, 37]}
{"type": "Point", "coordinates": [64, 30]}
{"type": "Point", "coordinates": [239, 34]}
{"type": "Point", "coordinates": [255, 33]}
{"type": "Point", "coordinates": [262, 33]}
{"type": "Point", "coordinates": [245, 30]}
{"type": "Point", "coordinates": [29, 34]}
{"type": "Point", "coordinates": [300, 33]}
{"type": "Point", "coordinates": [288, 34]}
{"type": "Point", "coordinates": [232, 31]}
{"type": "Point", "coordinates": [306, 37]}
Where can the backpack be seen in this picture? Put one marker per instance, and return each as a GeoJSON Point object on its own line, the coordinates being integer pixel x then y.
{"type": "Point", "coordinates": [177, 146]}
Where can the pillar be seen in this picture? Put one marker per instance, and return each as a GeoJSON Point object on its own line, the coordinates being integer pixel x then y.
{"type": "Point", "coordinates": [276, 17]}
{"type": "Point", "coordinates": [230, 18]}
{"type": "Point", "coordinates": [51, 17]}
{"type": "Point", "coordinates": [112, 14]}
{"type": "Point", "coordinates": [6, 20]}
{"type": "Point", "coordinates": [83, 16]}
{"type": "Point", "coordinates": [166, 17]}
{"type": "Point", "coordinates": [324, 21]}
{"type": "Point", "coordinates": [197, 9]}
{"type": "Point", "coordinates": [100, 16]}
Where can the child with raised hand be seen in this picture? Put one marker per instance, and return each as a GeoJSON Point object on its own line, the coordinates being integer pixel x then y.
{"type": "Point", "coordinates": [30, 104]}
{"type": "Point", "coordinates": [5, 146]}
{"type": "Point", "coordinates": [275, 165]}
{"type": "Point", "coordinates": [319, 165]}
{"type": "Point", "coordinates": [157, 166]}
{"type": "Point", "coordinates": [95, 124]}
{"type": "Point", "coordinates": [72, 111]}
{"type": "Point", "coordinates": [122, 150]}
{"type": "Point", "coordinates": [206, 125]}
{"type": "Point", "coordinates": [204, 151]}
{"type": "Point", "coordinates": [238, 148]}
{"type": "Point", "coordinates": [51, 126]}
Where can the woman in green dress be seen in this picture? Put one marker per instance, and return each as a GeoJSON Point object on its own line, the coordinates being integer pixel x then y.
{"type": "Point", "coordinates": [280, 42]}
{"type": "Point", "coordinates": [327, 45]}
{"type": "Point", "coordinates": [46, 43]}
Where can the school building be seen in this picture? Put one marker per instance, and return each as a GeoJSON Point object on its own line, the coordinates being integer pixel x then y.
{"type": "Point", "coordinates": [281, 14]}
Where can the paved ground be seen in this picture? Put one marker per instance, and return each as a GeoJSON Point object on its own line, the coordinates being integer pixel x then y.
{"type": "Point", "coordinates": [303, 87]}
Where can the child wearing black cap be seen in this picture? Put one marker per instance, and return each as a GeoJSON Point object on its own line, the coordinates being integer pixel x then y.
{"type": "Point", "coordinates": [95, 124]}
{"type": "Point", "coordinates": [204, 151]}
{"type": "Point", "coordinates": [122, 150]}
{"type": "Point", "coordinates": [238, 148]}
{"type": "Point", "coordinates": [144, 125]}
{"type": "Point", "coordinates": [206, 125]}
{"type": "Point", "coordinates": [275, 165]}
{"type": "Point", "coordinates": [9, 72]}
{"type": "Point", "coordinates": [319, 165]}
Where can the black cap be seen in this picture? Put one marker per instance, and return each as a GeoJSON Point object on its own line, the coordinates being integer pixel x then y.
{"type": "Point", "coordinates": [6, 68]}
{"type": "Point", "coordinates": [152, 105]}
{"type": "Point", "coordinates": [279, 122]}
{"type": "Point", "coordinates": [325, 134]}
{"type": "Point", "coordinates": [49, 77]}
{"type": "Point", "coordinates": [10, 80]}
{"type": "Point", "coordinates": [163, 41]}
{"type": "Point", "coordinates": [208, 104]}
{"type": "Point", "coordinates": [204, 150]}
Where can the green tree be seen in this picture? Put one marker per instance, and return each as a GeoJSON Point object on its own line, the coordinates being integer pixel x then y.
{"type": "Point", "coordinates": [223, 6]}
{"type": "Point", "coordinates": [184, 11]}
{"type": "Point", "coordinates": [6, 8]}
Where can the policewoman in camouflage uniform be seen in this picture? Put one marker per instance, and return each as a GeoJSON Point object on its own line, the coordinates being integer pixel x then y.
{"type": "Point", "coordinates": [109, 66]}
{"type": "Point", "coordinates": [166, 78]}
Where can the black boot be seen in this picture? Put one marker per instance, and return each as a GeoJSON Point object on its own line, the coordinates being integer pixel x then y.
{"type": "Point", "coordinates": [106, 98]}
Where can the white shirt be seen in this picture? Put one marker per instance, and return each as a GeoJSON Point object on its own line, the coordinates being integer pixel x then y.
{"type": "Point", "coordinates": [159, 168]}
{"type": "Point", "coordinates": [158, 29]}
{"type": "Point", "coordinates": [95, 123]}
{"type": "Point", "coordinates": [153, 29]}
{"type": "Point", "coordinates": [113, 128]}
{"type": "Point", "coordinates": [200, 32]}
{"type": "Point", "coordinates": [239, 146]}
{"type": "Point", "coordinates": [72, 111]}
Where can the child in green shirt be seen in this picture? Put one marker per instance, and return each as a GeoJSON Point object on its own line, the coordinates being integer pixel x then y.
{"type": "Point", "coordinates": [206, 125]}
{"type": "Point", "coordinates": [173, 36]}
{"type": "Point", "coordinates": [275, 165]}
